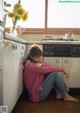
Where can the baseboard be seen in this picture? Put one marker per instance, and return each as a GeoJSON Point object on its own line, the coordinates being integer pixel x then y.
{"type": "Point", "coordinates": [73, 91]}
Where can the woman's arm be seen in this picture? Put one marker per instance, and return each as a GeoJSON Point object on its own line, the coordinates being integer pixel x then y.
{"type": "Point", "coordinates": [39, 65]}
{"type": "Point", "coordinates": [42, 68]}
{"type": "Point", "coordinates": [45, 68]}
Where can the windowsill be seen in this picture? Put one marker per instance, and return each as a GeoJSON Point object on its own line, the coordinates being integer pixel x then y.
{"type": "Point", "coordinates": [49, 30]}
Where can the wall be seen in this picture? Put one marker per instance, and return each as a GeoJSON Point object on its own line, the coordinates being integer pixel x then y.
{"type": "Point", "coordinates": [38, 37]}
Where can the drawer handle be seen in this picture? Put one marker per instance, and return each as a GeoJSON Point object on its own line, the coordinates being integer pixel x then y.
{"type": "Point", "coordinates": [57, 61]}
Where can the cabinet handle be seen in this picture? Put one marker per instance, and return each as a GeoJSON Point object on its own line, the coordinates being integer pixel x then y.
{"type": "Point", "coordinates": [66, 60]}
{"type": "Point", "coordinates": [22, 47]}
{"type": "Point", "coordinates": [57, 60]}
{"type": "Point", "coordinates": [14, 46]}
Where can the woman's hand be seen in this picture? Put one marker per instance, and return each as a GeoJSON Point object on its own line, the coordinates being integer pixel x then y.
{"type": "Point", "coordinates": [67, 75]}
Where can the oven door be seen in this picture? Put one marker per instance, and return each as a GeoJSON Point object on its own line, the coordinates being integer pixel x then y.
{"type": "Point", "coordinates": [62, 50]}
{"type": "Point", "coordinates": [56, 50]}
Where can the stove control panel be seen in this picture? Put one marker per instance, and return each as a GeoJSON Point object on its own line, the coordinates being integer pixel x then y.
{"type": "Point", "coordinates": [61, 50]}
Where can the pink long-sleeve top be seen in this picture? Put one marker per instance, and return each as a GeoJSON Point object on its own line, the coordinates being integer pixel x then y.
{"type": "Point", "coordinates": [33, 77]}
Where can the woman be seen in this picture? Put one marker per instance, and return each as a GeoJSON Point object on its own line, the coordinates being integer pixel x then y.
{"type": "Point", "coordinates": [40, 78]}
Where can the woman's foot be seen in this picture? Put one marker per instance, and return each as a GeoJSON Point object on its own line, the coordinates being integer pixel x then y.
{"type": "Point", "coordinates": [67, 97]}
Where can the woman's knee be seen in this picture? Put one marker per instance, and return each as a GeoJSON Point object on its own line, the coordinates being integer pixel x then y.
{"type": "Point", "coordinates": [54, 74]}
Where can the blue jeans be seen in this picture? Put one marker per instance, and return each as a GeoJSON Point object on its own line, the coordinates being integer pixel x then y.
{"type": "Point", "coordinates": [53, 80]}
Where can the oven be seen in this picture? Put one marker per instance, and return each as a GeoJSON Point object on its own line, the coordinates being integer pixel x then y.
{"type": "Point", "coordinates": [61, 50]}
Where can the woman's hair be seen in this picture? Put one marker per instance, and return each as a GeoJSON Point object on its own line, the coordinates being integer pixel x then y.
{"type": "Point", "coordinates": [34, 50]}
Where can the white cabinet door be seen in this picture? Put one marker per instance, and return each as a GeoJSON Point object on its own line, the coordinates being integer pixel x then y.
{"type": "Point", "coordinates": [19, 50]}
{"type": "Point", "coordinates": [16, 72]}
{"type": "Point", "coordinates": [54, 61]}
{"type": "Point", "coordinates": [8, 77]}
{"type": "Point", "coordinates": [12, 74]}
{"type": "Point", "coordinates": [72, 67]}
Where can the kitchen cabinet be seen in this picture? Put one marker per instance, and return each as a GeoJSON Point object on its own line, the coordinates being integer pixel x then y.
{"type": "Point", "coordinates": [56, 62]}
{"type": "Point", "coordinates": [71, 66]}
{"type": "Point", "coordinates": [8, 77]}
{"type": "Point", "coordinates": [13, 76]}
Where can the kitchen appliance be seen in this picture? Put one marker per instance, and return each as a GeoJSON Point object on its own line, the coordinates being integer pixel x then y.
{"type": "Point", "coordinates": [1, 52]}
{"type": "Point", "coordinates": [64, 54]}
{"type": "Point", "coordinates": [61, 50]}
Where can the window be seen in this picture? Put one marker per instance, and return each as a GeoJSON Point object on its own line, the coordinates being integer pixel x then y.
{"type": "Point", "coordinates": [63, 14]}
{"type": "Point", "coordinates": [59, 15]}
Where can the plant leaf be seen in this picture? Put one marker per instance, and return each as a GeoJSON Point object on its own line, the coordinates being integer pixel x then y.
{"type": "Point", "coordinates": [6, 10]}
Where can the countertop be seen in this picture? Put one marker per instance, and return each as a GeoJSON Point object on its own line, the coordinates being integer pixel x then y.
{"type": "Point", "coordinates": [10, 37]}
{"type": "Point", "coordinates": [54, 42]}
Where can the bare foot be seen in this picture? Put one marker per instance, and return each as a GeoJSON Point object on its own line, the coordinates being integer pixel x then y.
{"type": "Point", "coordinates": [67, 97]}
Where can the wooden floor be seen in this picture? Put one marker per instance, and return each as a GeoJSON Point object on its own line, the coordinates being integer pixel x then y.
{"type": "Point", "coordinates": [50, 105]}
